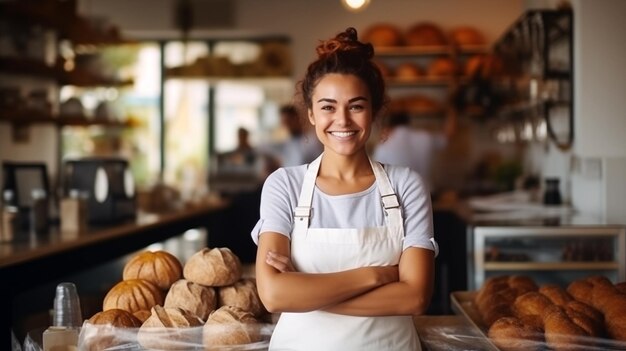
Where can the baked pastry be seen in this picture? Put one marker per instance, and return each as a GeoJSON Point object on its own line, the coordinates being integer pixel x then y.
{"type": "Point", "coordinates": [522, 284]}
{"type": "Point", "coordinates": [441, 67]}
{"type": "Point", "coordinates": [159, 267]}
{"type": "Point", "coordinates": [213, 267]}
{"type": "Point", "coordinates": [242, 294]}
{"type": "Point", "coordinates": [133, 295]}
{"type": "Point", "coordinates": [621, 287]}
{"type": "Point", "coordinates": [230, 326]}
{"type": "Point", "coordinates": [556, 294]}
{"type": "Point", "coordinates": [531, 303]}
{"type": "Point", "coordinates": [198, 299]}
{"type": "Point", "coordinates": [466, 35]}
{"type": "Point", "coordinates": [581, 290]}
{"type": "Point", "coordinates": [116, 318]}
{"type": "Point", "coordinates": [383, 34]}
{"type": "Point", "coordinates": [103, 330]}
{"type": "Point", "coordinates": [425, 34]}
{"type": "Point", "coordinates": [510, 334]}
{"type": "Point", "coordinates": [142, 315]}
{"type": "Point", "coordinates": [561, 332]}
{"type": "Point", "coordinates": [169, 329]}
{"type": "Point", "coordinates": [408, 70]}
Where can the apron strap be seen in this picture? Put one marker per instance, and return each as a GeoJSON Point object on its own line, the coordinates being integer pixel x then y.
{"type": "Point", "coordinates": [302, 213]}
{"type": "Point", "coordinates": [388, 197]}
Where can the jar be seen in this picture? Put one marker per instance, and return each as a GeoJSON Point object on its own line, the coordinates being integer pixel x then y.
{"type": "Point", "coordinates": [552, 193]}
{"type": "Point", "coordinates": [39, 211]}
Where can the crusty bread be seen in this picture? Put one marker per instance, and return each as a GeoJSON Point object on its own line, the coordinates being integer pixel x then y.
{"type": "Point", "coordinates": [198, 299]}
{"type": "Point", "coordinates": [133, 295]}
{"type": "Point", "coordinates": [229, 326]}
{"type": "Point", "coordinates": [213, 267]}
{"type": "Point", "coordinates": [169, 329]}
{"type": "Point", "coordinates": [159, 267]}
{"type": "Point", "coordinates": [510, 334]}
{"type": "Point", "coordinates": [242, 294]}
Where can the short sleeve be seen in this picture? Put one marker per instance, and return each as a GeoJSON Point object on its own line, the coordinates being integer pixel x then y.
{"type": "Point", "coordinates": [416, 208]}
{"type": "Point", "coordinates": [276, 206]}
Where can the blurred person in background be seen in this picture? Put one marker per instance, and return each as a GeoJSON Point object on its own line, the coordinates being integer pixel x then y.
{"type": "Point", "coordinates": [405, 145]}
{"type": "Point", "coordinates": [302, 146]}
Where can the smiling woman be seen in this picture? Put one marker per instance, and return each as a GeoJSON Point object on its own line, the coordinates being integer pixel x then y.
{"type": "Point", "coordinates": [345, 245]}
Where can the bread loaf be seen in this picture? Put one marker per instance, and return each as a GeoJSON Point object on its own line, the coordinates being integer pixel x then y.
{"type": "Point", "coordinates": [198, 299]}
{"type": "Point", "coordinates": [383, 34]}
{"type": "Point", "coordinates": [213, 267]}
{"type": "Point", "coordinates": [109, 329]}
{"type": "Point", "coordinates": [230, 326]}
{"type": "Point", "coordinates": [425, 34]}
{"type": "Point", "coordinates": [159, 267]}
{"type": "Point", "coordinates": [244, 295]}
{"type": "Point", "coordinates": [169, 329]}
{"type": "Point", "coordinates": [133, 295]}
{"type": "Point", "coordinates": [510, 334]}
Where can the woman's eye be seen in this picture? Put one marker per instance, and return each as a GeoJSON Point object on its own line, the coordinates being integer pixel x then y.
{"type": "Point", "coordinates": [356, 107]}
{"type": "Point", "coordinates": [328, 108]}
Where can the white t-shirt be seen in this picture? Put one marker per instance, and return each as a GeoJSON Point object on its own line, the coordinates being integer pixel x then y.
{"type": "Point", "coordinates": [410, 147]}
{"type": "Point", "coordinates": [364, 209]}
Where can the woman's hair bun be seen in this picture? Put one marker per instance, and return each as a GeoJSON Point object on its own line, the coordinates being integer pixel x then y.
{"type": "Point", "coordinates": [345, 41]}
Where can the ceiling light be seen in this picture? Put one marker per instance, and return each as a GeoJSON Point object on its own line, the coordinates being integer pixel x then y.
{"type": "Point", "coordinates": [355, 5]}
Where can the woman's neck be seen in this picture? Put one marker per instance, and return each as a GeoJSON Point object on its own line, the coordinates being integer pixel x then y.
{"type": "Point", "coordinates": [340, 174]}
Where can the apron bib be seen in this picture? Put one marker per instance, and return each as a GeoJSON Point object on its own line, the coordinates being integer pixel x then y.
{"type": "Point", "coordinates": [325, 250]}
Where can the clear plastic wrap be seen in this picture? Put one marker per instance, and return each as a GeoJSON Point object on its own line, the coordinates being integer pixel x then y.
{"type": "Point", "coordinates": [227, 337]}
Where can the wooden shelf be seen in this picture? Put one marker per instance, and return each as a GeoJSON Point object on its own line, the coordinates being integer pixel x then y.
{"type": "Point", "coordinates": [26, 117]}
{"type": "Point", "coordinates": [550, 266]}
{"type": "Point", "coordinates": [428, 50]}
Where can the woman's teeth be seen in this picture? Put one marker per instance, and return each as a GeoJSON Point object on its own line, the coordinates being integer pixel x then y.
{"type": "Point", "coordinates": [342, 134]}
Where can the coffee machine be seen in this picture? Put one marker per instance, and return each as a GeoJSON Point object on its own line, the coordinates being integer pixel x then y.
{"type": "Point", "coordinates": [108, 184]}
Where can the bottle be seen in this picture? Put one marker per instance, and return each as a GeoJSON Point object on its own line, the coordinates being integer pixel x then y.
{"type": "Point", "coordinates": [39, 211]}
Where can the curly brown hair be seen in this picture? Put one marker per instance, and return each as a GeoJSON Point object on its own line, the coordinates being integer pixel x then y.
{"type": "Point", "coordinates": [345, 54]}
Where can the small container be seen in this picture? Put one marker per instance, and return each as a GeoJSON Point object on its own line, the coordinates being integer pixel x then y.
{"type": "Point", "coordinates": [552, 194]}
{"type": "Point", "coordinates": [39, 211]}
{"type": "Point", "coordinates": [66, 311]}
{"type": "Point", "coordinates": [74, 212]}
{"type": "Point", "coordinates": [9, 225]}
{"type": "Point", "coordinates": [60, 339]}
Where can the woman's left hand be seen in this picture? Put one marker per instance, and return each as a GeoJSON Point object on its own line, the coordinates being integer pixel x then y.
{"type": "Point", "coordinates": [280, 262]}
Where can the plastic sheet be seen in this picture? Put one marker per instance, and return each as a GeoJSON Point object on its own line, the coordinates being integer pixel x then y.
{"type": "Point", "coordinates": [108, 338]}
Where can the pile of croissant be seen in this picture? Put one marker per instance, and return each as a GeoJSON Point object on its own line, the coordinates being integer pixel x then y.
{"type": "Point", "coordinates": [161, 304]}
{"type": "Point", "coordinates": [520, 315]}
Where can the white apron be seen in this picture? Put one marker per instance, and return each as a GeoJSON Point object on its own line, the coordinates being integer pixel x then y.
{"type": "Point", "coordinates": [325, 250]}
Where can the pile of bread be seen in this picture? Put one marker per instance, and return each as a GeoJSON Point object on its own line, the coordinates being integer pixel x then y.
{"type": "Point", "coordinates": [520, 315]}
{"type": "Point", "coordinates": [161, 304]}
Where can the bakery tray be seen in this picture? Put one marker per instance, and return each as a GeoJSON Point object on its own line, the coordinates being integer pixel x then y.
{"type": "Point", "coordinates": [463, 304]}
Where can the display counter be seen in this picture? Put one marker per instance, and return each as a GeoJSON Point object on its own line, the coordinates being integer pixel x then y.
{"type": "Point", "coordinates": [39, 259]}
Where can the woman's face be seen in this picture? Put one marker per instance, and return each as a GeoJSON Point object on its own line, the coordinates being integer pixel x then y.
{"type": "Point", "coordinates": [341, 113]}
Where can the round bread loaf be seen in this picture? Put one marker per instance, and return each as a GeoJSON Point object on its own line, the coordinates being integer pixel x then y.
{"type": "Point", "coordinates": [169, 329]}
{"type": "Point", "coordinates": [510, 334]}
{"type": "Point", "coordinates": [441, 67]}
{"type": "Point", "coordinates": [213, 267]}
{"type": "Point", "coordinates": [109, 329]}
{"type": "Point", "coordinates": [198, 299]}
{"type": "Point", "coordinates": [133, 295]}
{"type": "Point", "coordinates": [230, 326]}
{"type": "Point", "coordinates": [158, 267]}
{"type": "Point", "coordinates": [382, 34]}
{"type": "Point", "coordinates": [116, 318]}
{"type": "Point", "coordinates": [466, 35]}
{"type": "Point", "coordinates": [408, 70]}
{"type": "Point", "coordinates": [244, 295]}
{"type": "Point", "coordinates": [581, 290]}
{"type": "Point", "coordinates": [425, 34]}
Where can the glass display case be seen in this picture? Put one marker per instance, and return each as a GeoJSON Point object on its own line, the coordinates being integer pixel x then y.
{"type": "Point", "coordinates": [548, 254]}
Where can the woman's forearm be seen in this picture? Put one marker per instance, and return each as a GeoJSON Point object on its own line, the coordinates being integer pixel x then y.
{"type": "Point", "coordinates": [304, 292]}
{"type": "Point", "coordinates": [389, 300]}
